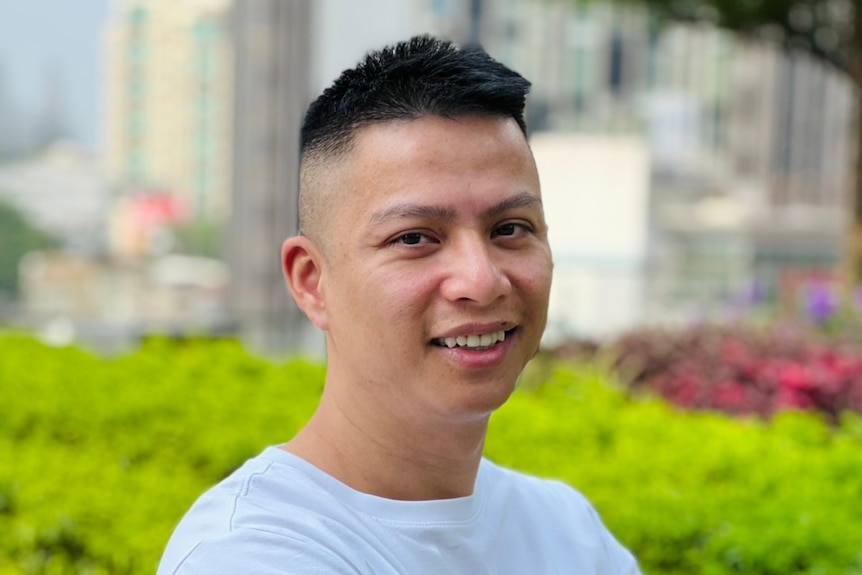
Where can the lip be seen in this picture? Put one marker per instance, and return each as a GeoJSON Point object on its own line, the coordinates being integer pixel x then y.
{"type": "Point", "coordinates": [478, 358]}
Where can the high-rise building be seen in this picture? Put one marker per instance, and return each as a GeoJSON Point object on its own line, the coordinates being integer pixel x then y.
{"type": "Point", "coordinates": [272, 75]}
{"type": "Point", "coordinates": [168, 100]}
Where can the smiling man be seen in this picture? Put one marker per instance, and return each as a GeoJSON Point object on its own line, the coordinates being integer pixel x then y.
{"type": "Point", "coordinates": [424, 257]}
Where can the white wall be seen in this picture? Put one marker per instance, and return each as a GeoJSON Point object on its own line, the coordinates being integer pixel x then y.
{"type": "Point", "coordinates": [596, 196]}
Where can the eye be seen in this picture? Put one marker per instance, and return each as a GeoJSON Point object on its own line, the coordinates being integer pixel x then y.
{"type": "Point", "coordinates": [412, 239]}
{"type": "Point", "coordinates": [510, 229]}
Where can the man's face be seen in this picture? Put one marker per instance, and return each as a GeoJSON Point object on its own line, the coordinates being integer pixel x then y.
{"type": "Point", "coordinates": [438, 267]}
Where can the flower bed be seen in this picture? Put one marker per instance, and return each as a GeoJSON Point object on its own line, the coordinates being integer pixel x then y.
{"type": "Point", "coordinates": [738, 370]}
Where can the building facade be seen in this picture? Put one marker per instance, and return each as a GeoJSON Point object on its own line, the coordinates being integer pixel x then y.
{"type": "Point", "coordinates": [749, 154]}
{"type": "Point", "coordinates": [168, 100]}
{"type": "Point", "coordinates": [751, 148]}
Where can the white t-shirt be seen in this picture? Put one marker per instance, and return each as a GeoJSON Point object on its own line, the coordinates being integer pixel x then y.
{"type": "Point", "coordinates": [280, 515]}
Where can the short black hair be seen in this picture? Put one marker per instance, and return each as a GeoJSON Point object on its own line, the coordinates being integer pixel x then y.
{"type": "Point", "coordinates": [421, 76]}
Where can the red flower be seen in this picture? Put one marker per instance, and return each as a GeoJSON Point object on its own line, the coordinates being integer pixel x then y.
{"type": "Point", "coordinates": [794, 376]}
{"type": "Point", "coordinates": [729, 395]}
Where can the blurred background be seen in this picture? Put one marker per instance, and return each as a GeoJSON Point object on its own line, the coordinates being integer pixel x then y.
{"type": "Point", "coordinates": [701, 379]}
{"type": "Point", "coordinates": [148, 156]}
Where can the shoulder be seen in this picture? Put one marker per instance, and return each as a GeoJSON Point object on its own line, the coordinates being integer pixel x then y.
{"type": "Point", "coordinates": [263, 515]}
{"type": "Point", "coordinates": [250, 552]}
{"type": "Point", "coordinates": [549, 500]}
{"type": "Point", "coordinates": [559, 511]}
{"type": "Point", "coordinates": [536, 491]}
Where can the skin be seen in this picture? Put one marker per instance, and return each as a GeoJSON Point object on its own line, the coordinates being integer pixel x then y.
{"type": "Point", "coordinates": [438, 230]}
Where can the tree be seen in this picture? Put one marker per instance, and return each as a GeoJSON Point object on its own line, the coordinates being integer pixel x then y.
{"type": "Point", "coordinates": [17, 237]}
{"type": "Point", "coordinates": [829, 30]}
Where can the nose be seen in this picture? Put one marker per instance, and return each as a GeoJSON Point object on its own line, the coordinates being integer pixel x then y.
{"type": "Point", "coordinates": [475, 274]}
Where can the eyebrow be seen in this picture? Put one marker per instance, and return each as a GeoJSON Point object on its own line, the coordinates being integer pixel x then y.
{"type": "Point", "coordinates": [422, 211]}
{"type": "Point", "coordinates": [522, 200]}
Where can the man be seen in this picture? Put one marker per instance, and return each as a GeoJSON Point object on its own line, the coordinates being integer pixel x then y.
{"type": "Point", "coordinates": [423, 255]}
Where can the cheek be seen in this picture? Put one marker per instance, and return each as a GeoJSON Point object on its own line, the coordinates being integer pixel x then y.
{"type": "Point", "coordinates": [534, 276]}
{"type": "Point", "coordinates": [396, 295]}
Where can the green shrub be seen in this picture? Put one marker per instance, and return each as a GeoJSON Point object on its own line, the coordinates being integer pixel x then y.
{"type": "Point", "coordinates": [107, 455]}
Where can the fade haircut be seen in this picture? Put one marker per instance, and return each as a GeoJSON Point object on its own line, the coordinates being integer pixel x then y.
{"type": "Point", "coordinates": [422, 76]}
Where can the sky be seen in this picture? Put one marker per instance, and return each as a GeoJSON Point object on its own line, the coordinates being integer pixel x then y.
{"type": "Point", "coordinates": [38, 36]}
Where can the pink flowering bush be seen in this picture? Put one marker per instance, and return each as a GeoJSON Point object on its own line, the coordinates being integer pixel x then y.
{"type": "Point", "coordinates": [740, 370]}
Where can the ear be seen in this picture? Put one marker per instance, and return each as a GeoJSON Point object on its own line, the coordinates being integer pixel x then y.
{"type": "Point", "coordinates": [301, 262]}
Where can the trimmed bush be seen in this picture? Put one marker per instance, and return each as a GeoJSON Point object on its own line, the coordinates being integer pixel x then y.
{"type": "Point", "coordinates": [105, 456]}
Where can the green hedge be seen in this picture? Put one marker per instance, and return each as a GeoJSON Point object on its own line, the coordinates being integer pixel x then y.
{"type": "Point", "coordinates": [98, 460]}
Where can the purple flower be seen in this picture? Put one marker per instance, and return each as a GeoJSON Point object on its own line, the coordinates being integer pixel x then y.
{"type": "Point", "coordinates": [820, 301]}
{"type": "Point", "coordinates": [754, 294]}
{"type": "Point", "coordinates": [751, 295]}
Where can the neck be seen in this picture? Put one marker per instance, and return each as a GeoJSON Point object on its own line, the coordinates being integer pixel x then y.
{"type": "Point", "coordinates": [397, 457]}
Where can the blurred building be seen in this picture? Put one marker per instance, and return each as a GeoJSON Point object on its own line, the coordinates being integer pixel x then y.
{"type": "Point", "coordinates": [272, 73]}
{"type": "Point", "coordinates": [745, 151]}
{"type": "Point", "coordinates": [62, 192]}
{"type": "Point", "coordinates": [750, 149]}
{"type": "Point", "coordinates": [599, 280]}
{"type": "Point", "coordinates": [168, 100]}
{"type": "Point", "coordinates": [111, 304]}
{"type": "Point", "coordinates": [96, 287]}
{"type": "Point", "coordinates": [142, 225]}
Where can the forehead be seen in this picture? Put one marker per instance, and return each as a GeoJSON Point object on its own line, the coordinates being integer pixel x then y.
{"type": "Point", "coordinates": [432, 158]}
{"type": "Point", "coordinates": [435, 138]}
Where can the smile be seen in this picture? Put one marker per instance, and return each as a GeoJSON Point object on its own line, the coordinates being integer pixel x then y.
{"type": "Point", "coordinates": [473, 341]}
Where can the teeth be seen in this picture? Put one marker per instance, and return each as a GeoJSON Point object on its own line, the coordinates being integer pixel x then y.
{"type": "Point", "coordinates": [483, 340]}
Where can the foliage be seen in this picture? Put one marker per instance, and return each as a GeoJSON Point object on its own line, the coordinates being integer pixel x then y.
{"type": "Point", "coordinates": [17, 237]}
{"type": "Point", "coordinates": [743, 370]}
{"type": "Point", "coordinates": [107, 455]}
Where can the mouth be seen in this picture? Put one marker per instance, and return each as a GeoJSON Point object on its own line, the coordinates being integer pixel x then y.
{"type": "Point", "coordinates": [477, 342]}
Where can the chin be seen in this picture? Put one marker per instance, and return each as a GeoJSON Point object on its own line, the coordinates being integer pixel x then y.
{"type": "Point", "coordinates": [481, 403]}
